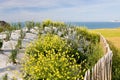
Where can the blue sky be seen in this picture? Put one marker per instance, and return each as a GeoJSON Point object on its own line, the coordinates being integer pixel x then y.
{"type": "Point", "coordinates": [60, 10]}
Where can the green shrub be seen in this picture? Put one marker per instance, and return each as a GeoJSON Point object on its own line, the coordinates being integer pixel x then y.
{"type": "Point", "coordinates": [81, 31]}
{"type": "Point", "coordinates": [1, 43]}
{"type": "Point", "coordinates": [19, 25]}
{"type": "Point", "coordinates": [15, 26]}
{"type": "Point", "coordinates": [57, 24]}
{"type": "Point", "coordinates": [89, 36]}
{"type": "Point", "coordinates": [29, 25]}
{"type": "Point", "coordinates": [4, 26]}
{"type": "Point", "coordinates": [13, 56]}
{"type": "Point", "coordinates": [38, 24]}
{"type": "Point", "coordinates": [85, 43]}
{"type": "Point", "coordinates": [22, 34]}
{"type": "Point", "coordinates": [1, 29]}
{"type": "Point", "coordinates": [115, 62]}
{"type": "Point", "coordinates": [96, 52]}
{"type": "Point", "coordinates": [19, 44]}
{"type": "Point", "coordinates": [48, 23]}
{"type": "Point", "coordinates": [8, 35]}
{"type": "Point", "coordinates": [5, 77]}
{"type": "Point", "coordinates": [14, 78]}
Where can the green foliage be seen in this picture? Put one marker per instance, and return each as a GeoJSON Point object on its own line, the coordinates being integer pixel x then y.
{"type": "Point", "coordinates": [59, 24]}
{"type": "Point", "coordinates": [14, 52]}
{"type": "Point", "coordinates": [1, 29]}
{"type": "Point", "coordinates": [10, 27]}
{"type": "Point", "coordinates": [47, 23]}
{"type": "Point", "coordinates": [38, 24]}
{"type": "Point", "coordinates": [16, 26]}
{"type": "Point", "coordinates": [5, 27]}
{"type": "Point", "coordinates": [29, 25]}
{"type": "Point", "coordinates": [93, 37]}
{"type": "Point", "coordinates": [115, 62]}
{"type": "Point", "coordinates": [22, 34]}
{"type": "Point", "coordinates": [5, 77]}
{"type": "Point", "coordinates": [19, 25]}
{"type": "Point", "coordinates": [19, 44]}
{"type": "Point", "coordinates": [8, 35]}
{"type": "Point", "coordinates": [84, 44]}
{"type": "Point", "coordinates": [95, 54]}
{"type": "Point", "coordinates": [13, 56]}
{"type": "Point", "coordinates": [14, 78]}
{"type": "Point", "coordinates": [89, 36]}
{"type": "Point", "coordinates": [74, 52]}
{"type": "Point", "coordinates": [82, 31]}
{"type": "Point", "coordinates": [1, 43]}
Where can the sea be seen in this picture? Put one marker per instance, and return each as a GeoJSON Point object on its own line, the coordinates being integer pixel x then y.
{"type": "Point", "coordinates": [92, 25]}
{"type": "Point", "coordinates": [96, 25]}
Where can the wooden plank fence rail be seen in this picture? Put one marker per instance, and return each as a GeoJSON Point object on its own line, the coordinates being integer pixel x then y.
{"type": "Point", "coordinates": [103, 68]}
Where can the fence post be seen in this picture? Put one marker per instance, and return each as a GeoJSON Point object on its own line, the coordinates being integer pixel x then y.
{"type": "Point", "coordinates": [103, 68]}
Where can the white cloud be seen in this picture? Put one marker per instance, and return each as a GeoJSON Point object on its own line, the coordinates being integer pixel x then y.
{"type": "Point", "coordinates": [67, 10]}
{"type": "Point", "coordinates": [28, 3]}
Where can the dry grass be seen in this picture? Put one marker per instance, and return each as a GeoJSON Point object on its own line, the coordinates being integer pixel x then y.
{"type": "Point", "coordinates": [112, 35]}
{"type": "Point", "coordinates": [115, 32]}
{"type": "Point", "coordinates": [115, 41]}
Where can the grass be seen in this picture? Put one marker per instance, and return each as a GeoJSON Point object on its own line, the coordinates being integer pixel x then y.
{"type": "Point", "coordinates": [112, 35]}
{"type": "Point", "coordinates": [113, 32]}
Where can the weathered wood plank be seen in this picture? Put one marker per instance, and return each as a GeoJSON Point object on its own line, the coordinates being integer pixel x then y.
{"type": "Point", "coordinates": [103, 68]}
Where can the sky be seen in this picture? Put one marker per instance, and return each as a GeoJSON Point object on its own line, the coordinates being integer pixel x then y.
{"type": "Point", "coordinates": [60, 10]}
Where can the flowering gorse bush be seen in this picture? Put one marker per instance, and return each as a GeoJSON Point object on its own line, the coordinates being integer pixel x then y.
{"type": "Point", "coordinates": [47, 43]}
{"type": "Point", "coordinates": [52, 66]}
{"type": "Point", "coordinates": [48, 59]}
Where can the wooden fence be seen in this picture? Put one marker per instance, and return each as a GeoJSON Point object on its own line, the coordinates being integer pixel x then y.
{"type": "Point", "coordinates": [103, 68]}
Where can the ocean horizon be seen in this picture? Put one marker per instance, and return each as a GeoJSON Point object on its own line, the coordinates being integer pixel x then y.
{"type": "Point", "coordinates": [96, 25]}
{"type": "Point", "coordinates": [90, 25]}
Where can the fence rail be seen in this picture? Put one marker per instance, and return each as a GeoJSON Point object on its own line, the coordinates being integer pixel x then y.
{"type": "Point", "coordinates": [103, 68]}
